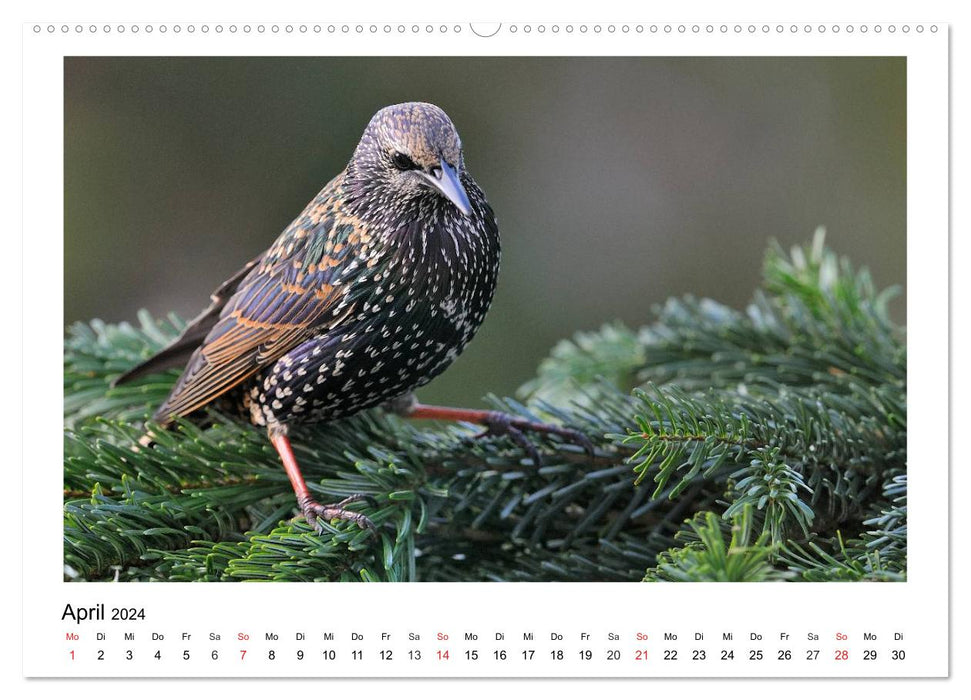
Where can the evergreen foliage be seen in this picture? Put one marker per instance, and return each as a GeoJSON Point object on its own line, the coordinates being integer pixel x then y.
{"type": "Point", "coordinates": [756, 445]}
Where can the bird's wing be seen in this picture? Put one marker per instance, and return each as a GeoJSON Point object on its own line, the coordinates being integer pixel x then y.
{"type": "Point", "coordinates": [303, 286]}
{"type": "Point", "coordinates": [179, 350]}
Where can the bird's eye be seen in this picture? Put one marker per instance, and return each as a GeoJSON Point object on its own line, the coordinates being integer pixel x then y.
{"type": "Point", "coordinates": [403, 162]}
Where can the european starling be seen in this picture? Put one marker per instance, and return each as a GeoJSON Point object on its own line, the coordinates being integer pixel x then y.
{"type": "Point", "coordinates": [371, 292]}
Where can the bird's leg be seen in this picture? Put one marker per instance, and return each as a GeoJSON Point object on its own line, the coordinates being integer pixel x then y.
{"type": "Point", "coordinates": [495, 422]}
{"type": "Point", "coordinates": [313, 511]}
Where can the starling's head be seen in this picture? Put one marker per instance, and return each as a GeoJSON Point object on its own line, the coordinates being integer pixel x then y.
{"type": "Point", "coordinates": [411, 151]}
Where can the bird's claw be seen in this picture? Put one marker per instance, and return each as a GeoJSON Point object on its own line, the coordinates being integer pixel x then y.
{"type": "Point", "coordinates": [498, 423]}
{"type": "Point", "coordinates": [315, 513]}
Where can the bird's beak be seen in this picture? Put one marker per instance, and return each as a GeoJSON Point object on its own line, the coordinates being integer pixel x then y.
{"type": "Point", "coordinates": [446, 180]}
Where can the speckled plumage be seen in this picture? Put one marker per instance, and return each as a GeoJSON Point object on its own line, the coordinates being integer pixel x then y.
{"type": "Point", "coordinates": [372, 291]}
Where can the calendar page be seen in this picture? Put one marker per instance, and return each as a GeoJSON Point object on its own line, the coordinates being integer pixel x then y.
{"type": "Point", "coordinates": [437, 348]}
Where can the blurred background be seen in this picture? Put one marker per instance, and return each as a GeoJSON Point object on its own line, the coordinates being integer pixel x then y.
{"type": "Point", "coordinates": [618, 182]}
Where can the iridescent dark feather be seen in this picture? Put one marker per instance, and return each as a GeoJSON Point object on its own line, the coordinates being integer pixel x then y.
{"type": "Point", "coordinates": [372, 291]}
{"type": "Point", "coordinates": [178, 352]}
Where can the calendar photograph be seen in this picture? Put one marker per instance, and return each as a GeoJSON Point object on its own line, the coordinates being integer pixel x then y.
{"type": "Point", "coordinates": [485, 319]}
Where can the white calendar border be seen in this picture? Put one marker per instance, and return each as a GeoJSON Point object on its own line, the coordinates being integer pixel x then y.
{"type": "Point", "coordinates": [924, 595]}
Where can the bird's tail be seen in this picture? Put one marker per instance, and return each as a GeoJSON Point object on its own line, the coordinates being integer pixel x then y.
{"type": "Point", "coordinates": [178, 352]}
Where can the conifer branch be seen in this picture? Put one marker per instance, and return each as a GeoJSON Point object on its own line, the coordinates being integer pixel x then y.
{"type": "Point", "coordinates": [775, 438]}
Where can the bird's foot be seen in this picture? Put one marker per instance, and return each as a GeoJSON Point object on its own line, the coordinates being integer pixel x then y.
{"type": "Point", "coordinates": [498, 423]}
{"type": "Point", "coordinates": [315, 513]}
{"type": "Point", "coordinates": [495, 422]}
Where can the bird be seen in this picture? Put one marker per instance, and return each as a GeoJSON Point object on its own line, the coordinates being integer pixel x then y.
{"type": "Point", "coordinates": [368, 294]}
